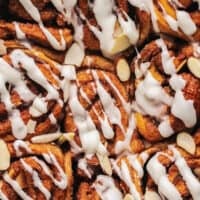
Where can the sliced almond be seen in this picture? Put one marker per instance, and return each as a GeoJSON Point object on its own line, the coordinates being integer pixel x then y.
{"type": "Point", "coordinates": [31, 126]}
{"type": "Point", "coordinates": [128, 197]}
{"type": "Point", "coordinates": [3, 49]}
{"type": "Point", "coordinates": [74, 55]}
{"type": "Point", "coordinates": [186, 141]}
{"type": "Point", "coordinates": [66, 137]}
{"type": "Point", "coordinates": [194, 66]}
{"type": "Point", "coordinates": [151, 195]}
{"type": "Point", "coordinates": [181, 65]}
{"type": "Point", "coordinates": [105, 163]}
{"type": "Point", "coordinates": [121, 41]}
{"type": "Point", "coordinates": [123, 70]}
{"type": "Point", "coordinates": [46, 138]}
{"type": "Point", "coordinates": [5, 156]}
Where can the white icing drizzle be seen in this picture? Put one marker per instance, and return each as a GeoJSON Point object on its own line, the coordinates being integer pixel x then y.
{"type": "Point", "coordinates": [142, 69]}
{"type": "Point", "coordinates": [183, 21]}
{"type": "Point", "coordinates": [134, 162]}
{"type": "Point", "coordinates": [128, 180]}
{"type": "Point", "coordinates": [109, 106]}
{"type": "Point", "coordinates": [129, 27]}
{"type": "Point", "coordinates": [75, 148]}
{"type": "Point", "coordinates": [88, 133]}
{"type": "Point", "coordinates": [21, 144]}
{"type": "Point", "coordinates": [170, 20]}
{"type": "Point", "coordinates": [27, 63]}
{"type": "Point", "coordinates": [32, 10]}
{"type": "Point", "coordinates": [105, 126]}
{"type": "Point", "coordinates": [12, 76]}
{"type": "Point", "coordinates": [39, 105]}
{"type": "Point", "coordinates": [125, 144]}
{"type": "Point", "coordinates": [82, 164]}
{"type": "Point", "coordinates": [85, 96]}
{"type": "Point", "coordinates": [51, 159]}
{"type": "Point", "coordinates": [52, 118]}
{"type": "Point", "coordinates": [125, 104]}
{"type": "Point", "coordinates": [191, 181]}
{"type": "Point", "coordinates": [3, 196]}
{"type": "Point", "coordinates": [167, 60]}
{"type": "Point", "coordinates": [89, 136]}
{"type": "Point", "coordinates": [165, 128]}
{"type": "Point", "coordinates": [146, 5]}
{"type": "Point", "coordinates": [62, 184]}
{"type": "Point", "coordinates": [196, 49]}
{"type": "Point", "coordinates": [19, 129]}
{"type": "Point", "coordinates": [52, 40]}
{"type": "Point", "coordinates": [106, 189]}
{"type": "Point", "coordinates": [177, 82]}
{"type": "Point", "coordinates": [124, 174]}
{"type": "Point", "coordinates": [158, 173]}
{"type": "Point", "coordinates": [36, 179]}
{"type": "Point", "coordinates": [181, 106]}
{"type": "Point", "coordinates": [144, 156]}
{"type": "Point", "coordinates": [176, 2]}
{"type": "Point", "coordinates": [19, 33]}
{"type": "Point", "coordinates": [16, 187]}
{"type": "Point", "coordinates": [103, 11]}
{"type": "Point", "coordinates": [151, 97]}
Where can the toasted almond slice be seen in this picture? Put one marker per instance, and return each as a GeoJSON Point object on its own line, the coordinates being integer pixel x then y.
{"type": "Point", "coordinates": [123, 70]}
{"type": "Point", "coordinates": [31, 126]}
{"type": "Point", "coordinates": [5, 156]}
{"type": "Point", "coordinates": [194, 66]}
{"type": "Point", "coordinates": [66, 137]}
{"type": "Point", "coordinates": [121, 41]}
{"type": "Point", "coordinates": [151, 195]}
{"type": "Point", "coordinates": [186, 141]}
{"type": "Point", "coordinates": [181, 65]}
{"type": "Point", "coordinates": [46, 138]}
{"type": "Point", "coordinates": [74, 55]}
{"type": "Point", "coordinates": [105, 163]}
{"type": "Point", "coordinates": [3, 49]}
{"type": "Point", "coordinates": [128, 197]}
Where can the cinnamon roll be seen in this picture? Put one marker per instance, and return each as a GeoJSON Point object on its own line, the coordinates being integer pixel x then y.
{"type": "Point", "coordinates": [165, 89]}
{"type": "Point", "coordinates": [31, 98]}
{"type": "Point", "coordinates": [99, 99]}
{"type": "Point", "coordinates": [98, 108]}
{"type": "Point", "coordinates": [36, 172]}
{"type": "Point", "coordinates": [173, 173]}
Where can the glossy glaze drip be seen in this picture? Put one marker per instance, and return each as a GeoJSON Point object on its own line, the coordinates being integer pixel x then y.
{"type": "Point", "coordinates": [105, 187]}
